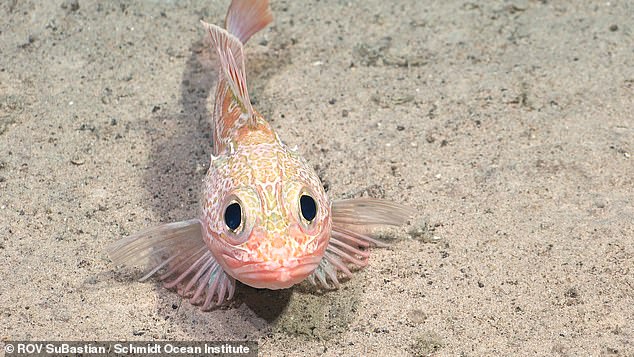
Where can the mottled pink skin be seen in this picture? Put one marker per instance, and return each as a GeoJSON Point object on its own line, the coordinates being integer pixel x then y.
{"type": "Point", "coordinates": [275, 247]}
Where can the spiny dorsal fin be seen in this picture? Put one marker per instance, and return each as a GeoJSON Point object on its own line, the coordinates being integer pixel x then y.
{"type": "Point", "coordinates": [230, 53]}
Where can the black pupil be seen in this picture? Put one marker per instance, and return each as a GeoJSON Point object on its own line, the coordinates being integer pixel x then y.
{"type": "Point", "coordinates": [309, 207]}
{"type": "Point", "coordinates": [233, 216]}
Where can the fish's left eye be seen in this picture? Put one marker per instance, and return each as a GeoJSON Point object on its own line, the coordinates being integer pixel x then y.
{"type": "Point", "coordinates": [308, 207]}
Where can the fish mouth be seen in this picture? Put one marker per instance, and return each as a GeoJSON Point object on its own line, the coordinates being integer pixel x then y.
{"type": "Point", "coordinates": [276, 275]}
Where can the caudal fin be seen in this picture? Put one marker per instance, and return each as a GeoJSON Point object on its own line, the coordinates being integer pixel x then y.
{"type": "Point", "coordinates": [178, 250]}
{"type": "Point", "coordinates": [246, 17]}
{"type": "Point", "coordinates": [350, 239]}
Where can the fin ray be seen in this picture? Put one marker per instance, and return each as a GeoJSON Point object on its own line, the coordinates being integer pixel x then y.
{"type": "Point", "coordinates": [180, 249]}
{"type": "Point", "coordinates": [349, 240]}
{"type": "Point", "coordinates": [230, 53]}
{"type": "Point", "coordinates": [246, 17]}
{"type": "Point", "coordinates": [232, 108]}
{"type": "Point", "coordinates": [370, 211]}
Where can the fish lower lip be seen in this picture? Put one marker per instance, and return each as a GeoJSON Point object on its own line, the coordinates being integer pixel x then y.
{"type": "Point", "coordinates": [301, 266]}
{"type": "Point", "coordinates": [271, 275]}
{"type": "Point", "coordinates": [281, 274]}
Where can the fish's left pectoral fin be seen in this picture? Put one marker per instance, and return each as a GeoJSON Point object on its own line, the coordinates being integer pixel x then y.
{"type": "Point", "coordinates": [345, 249]}
{"type": "Point", "coordinates": [231, 55]}
{"type": "Point", "coordinates": [370, 212]}
{"type": "Point", "coordinates": [326, 273]}
{"type": "Point", "coordinates": [349, 240]}
{"type": "Point", "coordinates": [178, 251]}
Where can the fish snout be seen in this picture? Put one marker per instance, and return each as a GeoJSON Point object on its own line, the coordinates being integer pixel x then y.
{"type": "Point", "coordinates": [277, 274]}
{"type": "Point", "coordinates": [274, 260]}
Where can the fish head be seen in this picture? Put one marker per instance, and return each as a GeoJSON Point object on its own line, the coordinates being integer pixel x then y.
{"type": "Point", "coordinates": [267, 216]}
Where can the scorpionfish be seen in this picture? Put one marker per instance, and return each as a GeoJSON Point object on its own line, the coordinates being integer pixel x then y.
{"type": "Point", "coordinates": [266, 220]}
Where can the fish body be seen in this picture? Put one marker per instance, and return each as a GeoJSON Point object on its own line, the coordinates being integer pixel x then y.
{"type": "Point", "coordinates": [266, 219]}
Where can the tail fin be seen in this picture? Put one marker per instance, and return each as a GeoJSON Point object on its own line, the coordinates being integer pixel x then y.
{"type": "Point", "coordinates": [180, 250]}
{"type": "Point", "coordinates": [246, 17]}
{"type": "Point", "coordinates": [349, 238]}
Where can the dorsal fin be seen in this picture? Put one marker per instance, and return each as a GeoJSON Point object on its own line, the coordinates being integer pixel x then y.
{"type": "Point", "coordinates": [232, 108]}
{"type": "Point", "coordinates": [230, 53]}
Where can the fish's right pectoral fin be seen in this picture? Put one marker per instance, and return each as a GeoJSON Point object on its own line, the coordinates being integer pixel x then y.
{"type": "Point", "coordinates": [179, 252]}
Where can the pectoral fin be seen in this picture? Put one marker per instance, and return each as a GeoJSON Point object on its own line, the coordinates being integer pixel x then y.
{"type": "Point", "coordinates": [349, 241]}
{"type": "Point", "coordinates": [178, 251]}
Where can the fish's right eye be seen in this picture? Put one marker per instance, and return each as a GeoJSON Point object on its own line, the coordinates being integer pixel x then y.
{"type": "Point", "coordinates": [233, 216]}
{"type": "Point", "coordinates": [236, 216]}
{"type": "Point", "coordinates": [307, 207]}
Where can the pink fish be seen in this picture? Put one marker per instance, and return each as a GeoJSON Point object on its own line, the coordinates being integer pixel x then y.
{"type": "Point", "coordinates": [266, 220]}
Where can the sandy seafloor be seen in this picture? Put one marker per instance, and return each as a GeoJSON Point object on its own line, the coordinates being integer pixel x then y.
{"type": "Point", "coordinates": [508, 125]}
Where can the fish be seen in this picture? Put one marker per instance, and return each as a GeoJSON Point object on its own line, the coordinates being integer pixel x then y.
{"type": "Point", "coordinates": [266, 220]}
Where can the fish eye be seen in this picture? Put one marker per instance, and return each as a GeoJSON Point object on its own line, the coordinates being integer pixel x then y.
{"type": "Point", "coordinates": [308, 207]}
{"type": "Point", "coordinates": [233, 216]}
